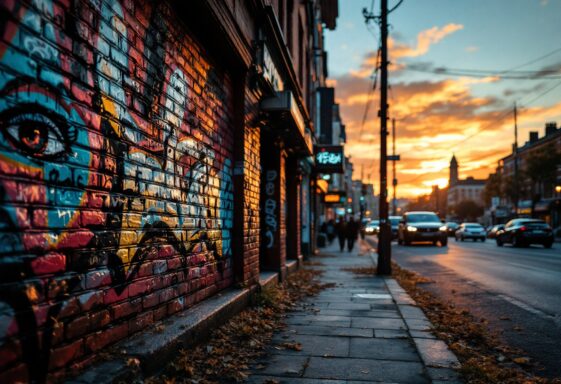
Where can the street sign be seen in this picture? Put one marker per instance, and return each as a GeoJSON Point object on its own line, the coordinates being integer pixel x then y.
{"type": "Point", "coordinates": [329, 158]}
{"type": "Point", "coordinates": [394, 157]}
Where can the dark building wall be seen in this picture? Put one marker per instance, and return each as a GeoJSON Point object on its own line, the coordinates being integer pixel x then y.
{"type": "Point", "coordinates": [327, 99]}
{"type": "Point", "coordinates": [116, 178]}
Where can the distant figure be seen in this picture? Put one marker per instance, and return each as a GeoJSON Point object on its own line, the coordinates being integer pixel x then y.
{"type": "Point", "coordinates": [352, 233]}
{"type": "Point", "coordinates": [330, 230]}
{"type": "Point", "coordinates": [341, 229]}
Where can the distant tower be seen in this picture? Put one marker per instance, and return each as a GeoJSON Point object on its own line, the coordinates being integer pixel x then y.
{"type": "Point", "coordinates": [453, 171]}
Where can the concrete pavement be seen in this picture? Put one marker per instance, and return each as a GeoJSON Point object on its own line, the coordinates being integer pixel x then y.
{"type": "Point", "coordinates": [365, 329]}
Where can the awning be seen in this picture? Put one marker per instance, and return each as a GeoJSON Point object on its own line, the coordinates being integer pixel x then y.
{"type": "Point", "coordinates": [289, 121]}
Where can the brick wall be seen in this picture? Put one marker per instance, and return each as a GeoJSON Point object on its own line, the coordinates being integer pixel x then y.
{"type": "Point", "coordinates": [116, 186]}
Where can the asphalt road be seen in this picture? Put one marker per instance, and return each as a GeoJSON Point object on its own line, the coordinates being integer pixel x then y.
{"type": "Point", "coordinates": [517, 290]}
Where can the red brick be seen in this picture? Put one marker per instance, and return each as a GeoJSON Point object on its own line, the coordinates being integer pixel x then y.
{"type": "Point", "coordinates": [61, 356]}
{"type": "Point", "coordinates": [126, 308]}
{"type": "Point", "coordinates": [111, 335]}
{"type": "Point", "coordinates": [50, 263]}
{"type": "Point", "coordinates": [141, 322]}
{"type": "Point", "coordinates": [78, 327]}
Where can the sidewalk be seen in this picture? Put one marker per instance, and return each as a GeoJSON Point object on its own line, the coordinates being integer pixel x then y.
{"type": "Point", "coordinates": [366, 329]}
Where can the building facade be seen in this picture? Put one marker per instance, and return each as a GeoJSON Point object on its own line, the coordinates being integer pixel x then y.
{"type": "Point", "coordinates": [154, 154]}
{"type": "Point", "coordinates": [540, 196]}
{"type": "Point", "coordinates": [460, 190]}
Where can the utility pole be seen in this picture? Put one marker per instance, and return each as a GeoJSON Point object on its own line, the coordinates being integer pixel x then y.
{"type": "Point", "coordinates": [516, 181]}
{"type": "Point", "coordinates": [394, 180]}
{"type": "Point", "coordinates": [384, 237]}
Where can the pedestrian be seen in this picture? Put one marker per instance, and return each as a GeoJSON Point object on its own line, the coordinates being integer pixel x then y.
{"type": "Point", "coordinates": [352, 233]}
{"type": "Point", "coordinates": [330, 230]}
{"type": "Point", "coordinates": [341, 229]}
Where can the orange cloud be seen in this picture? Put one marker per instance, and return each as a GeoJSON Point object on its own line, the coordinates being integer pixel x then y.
{"type": "Point", "coordinates": [434, 120]}
{"type": "Point", "coordinates": [398, 50]}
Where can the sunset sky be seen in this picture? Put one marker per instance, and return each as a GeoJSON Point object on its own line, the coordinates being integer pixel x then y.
{"type": "Point", "coordinates": [438, 115]}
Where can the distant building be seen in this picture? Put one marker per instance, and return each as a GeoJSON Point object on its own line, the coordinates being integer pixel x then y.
{"type": "Point", "coordinates": [462, 190]}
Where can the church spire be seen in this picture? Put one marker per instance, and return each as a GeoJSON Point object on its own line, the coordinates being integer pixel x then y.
{"type": "Point", "coordinates": [453, 171]}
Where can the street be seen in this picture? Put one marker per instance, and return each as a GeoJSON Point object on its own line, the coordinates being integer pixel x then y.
{"type": "Point", "coordinates": [517, 290]}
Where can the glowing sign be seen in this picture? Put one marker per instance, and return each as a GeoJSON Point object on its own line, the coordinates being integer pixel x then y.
{"type": "Point", "coordinates": [329, 159]}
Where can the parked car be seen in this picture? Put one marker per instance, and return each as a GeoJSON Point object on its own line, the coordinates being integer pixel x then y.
{"type": "Point", "coordinates": [451, 228]}
{"type": "Point", "coordinates": [492, 232]}
{"type": "Point", "coordinates": [363, 225]}
{"type": "Point", "coordinates": [372, 228]}
{"type": "Point", "coordinates": [474, 231]}
{"type": "Point", "coordinates": [421, 226]}
{"type": "Point", "coordinates": [523, 232]}
{"type": "Point", "coordinates": [394, 220]}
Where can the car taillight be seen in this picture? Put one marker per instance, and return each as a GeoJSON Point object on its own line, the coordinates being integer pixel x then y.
{"type": "Point", "coordinates": [522, 229]}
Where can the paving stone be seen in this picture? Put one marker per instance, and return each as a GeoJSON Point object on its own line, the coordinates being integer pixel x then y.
{"type": "Point", "coordinates": [329, 321]}
{"type": "Point", "coordinates": [259, 379]}
{"type": "Point", "coordinates": [376, 313]}
{"type": "Point", "coordinates": [332, 331]}
{"type": "Point", "coordinates": [418, 324]}
{"type": "Point", "coordinates": [313, 345]}
{"type": "Point", "coordinates": [364, 306]}
{"type": "Point", "coordinates": [285, 365]}
{"type": "Point", "coordinates": [422, 334]}
{"type": "Point", "coordinates": [435, 353]}
{"type": "Point", "coordinates": [384, 349]}
{"type": "Point", "coordinates": [411, 312]}
{"type": "Point", "coordinates": [391, 334]}
{"type": "Point", "coordinates": [365, 370]}
{"type": "Point", "coordinates": [377, 323]}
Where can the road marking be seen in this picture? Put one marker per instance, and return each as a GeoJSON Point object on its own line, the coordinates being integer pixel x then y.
{"type": "Point", "coordinates": [532, 310]}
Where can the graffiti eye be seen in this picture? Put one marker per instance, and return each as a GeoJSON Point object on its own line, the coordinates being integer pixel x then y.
{"type": "Point", "coordinates": [36, 134]}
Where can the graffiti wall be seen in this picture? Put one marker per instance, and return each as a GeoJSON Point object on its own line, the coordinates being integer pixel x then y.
{"type": "Point", "coordinates": [116, 195]}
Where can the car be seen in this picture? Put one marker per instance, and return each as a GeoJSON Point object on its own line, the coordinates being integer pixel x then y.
{"type": "Point", "coordinates": [451, 228]}
{"type": "Point", "coordinates": [472, 231]}
{"type": "Point", "coordinates": [372, 228]}
{"type": "Point", "coordinates": [524, 232]}
{"type": "Point", "coordinates": [492, 232]}
{"type": "Point", "coordinates": [394, 220]}
{"type": "Point", "coordinates": [421, 226]}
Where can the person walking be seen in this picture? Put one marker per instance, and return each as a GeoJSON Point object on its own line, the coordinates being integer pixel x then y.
{"type": "Point", "coordinates": [341, 229]}
{"type": "Point", "coordinates": [352, 233]}
{"type": "Point", "coordinates": [330, 230]}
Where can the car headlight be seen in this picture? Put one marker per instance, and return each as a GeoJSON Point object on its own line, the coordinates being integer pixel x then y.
{"type": "Point", "coordinates": [411, 229]}
{"type": "Point", "coordinates": [443, 228]}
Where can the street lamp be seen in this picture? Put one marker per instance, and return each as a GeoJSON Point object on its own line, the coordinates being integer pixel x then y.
{"type": "Point", "coordinates": [558, 189]}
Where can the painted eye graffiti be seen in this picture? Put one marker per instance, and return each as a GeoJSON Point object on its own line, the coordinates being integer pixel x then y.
{"type": "Point", "coordinates": [39, 134]}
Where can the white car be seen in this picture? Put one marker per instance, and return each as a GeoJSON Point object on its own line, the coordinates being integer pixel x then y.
{"type": "Point", "coordinates": [472, 231]}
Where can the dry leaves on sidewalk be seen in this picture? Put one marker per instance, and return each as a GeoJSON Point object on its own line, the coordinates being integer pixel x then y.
{"type": "Point", "coordinates": [226, 357]}
{"type": "Point", "coordinates": [483, 357]}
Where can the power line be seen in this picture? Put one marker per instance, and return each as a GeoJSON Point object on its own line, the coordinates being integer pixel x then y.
{"type": "Point", "coordinates": [370, 94]}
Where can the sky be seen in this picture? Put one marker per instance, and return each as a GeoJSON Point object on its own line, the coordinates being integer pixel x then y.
{"type": "Point", "coordinates": [440, 114]}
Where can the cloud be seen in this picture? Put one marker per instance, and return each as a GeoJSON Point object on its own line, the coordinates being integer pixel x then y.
{"type": "Point", "coordinates": [425, 39]}
{"type": "Point", "coordinates": [472, 49]}
{"type": "Point", "coordinates": [434, 120]}
{"type": "Point", "coordinates": [399, 50]}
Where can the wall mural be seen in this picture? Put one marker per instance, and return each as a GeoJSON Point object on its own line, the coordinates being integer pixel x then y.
{"type": "Point", "coordinates": [115, 167]}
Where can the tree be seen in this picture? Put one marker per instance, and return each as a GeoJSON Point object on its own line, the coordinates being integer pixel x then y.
{"type": "Point", "coordinates": [468, 210]}
{"type": "Point", "coordinates": [541, 170]}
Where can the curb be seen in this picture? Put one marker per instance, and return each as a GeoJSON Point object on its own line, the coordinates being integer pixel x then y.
{"type": "Point", "coordinates": [440, 362]}
{"type": "Point", "coordinates": [150, 348]}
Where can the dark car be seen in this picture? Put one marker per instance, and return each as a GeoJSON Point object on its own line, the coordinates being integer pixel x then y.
{"type": "Point", "coordinates": [394, 220]}
{"type": "Point", "coordinates": [492, 232]}
{"type": "Point", "coordinates": [451, 228]}
{"type": "Point", "coordinates": [523, 232]}
{"type": "Point", "coordinates": [422, 226]}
